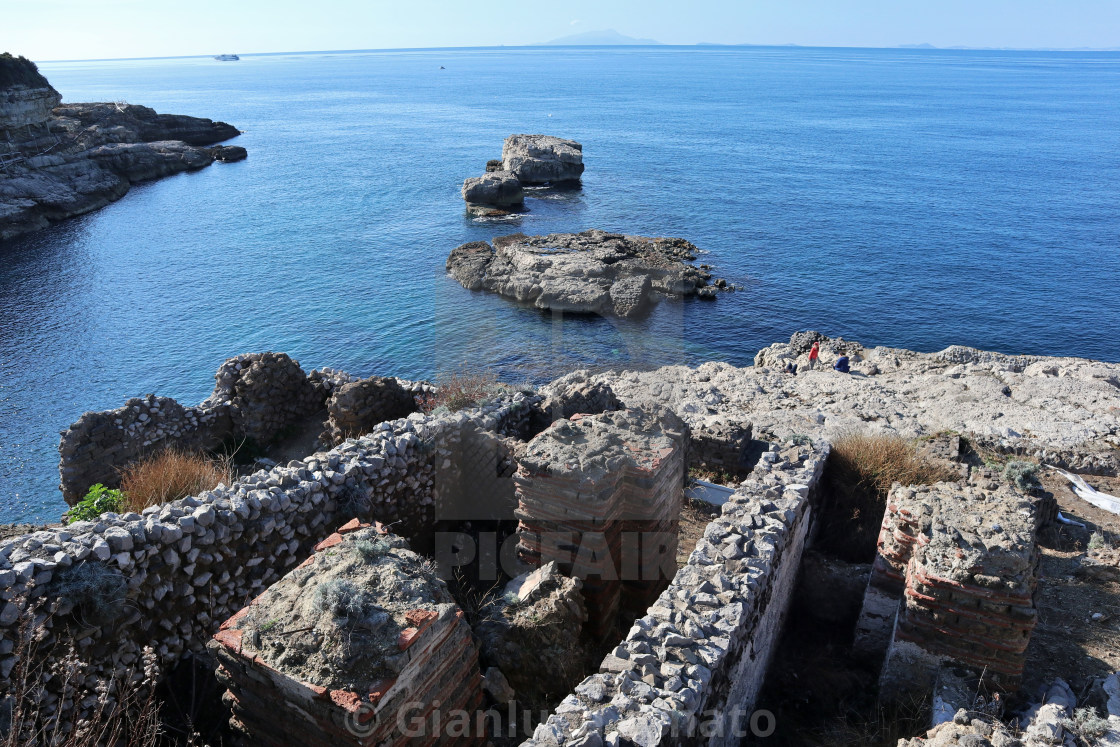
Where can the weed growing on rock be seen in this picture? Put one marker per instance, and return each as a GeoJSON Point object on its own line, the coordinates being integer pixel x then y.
{"type": "Point", "coordinates": [371, 550]}
{"type": "Point", "coordinates": [860, 471]}
{"type": "Point", "coordinates": [99, 500]}
{"type": "Point", "coordinates": [1021, 474]}
{"type": "Point", "coordinates": [95, 591]}
{"type": "Point", "coordinates": [170, 475]}
{"type": "Point", "coordinates": [55, 698]}
{"type": "Point", "coordinates": [459, 391]}
{"type": "Point", "coordinates": [1087, 725]}
{"type": "Point", "coordinates": [341, 598]}
{"type": "Point", "coordinates": [1099, 541]}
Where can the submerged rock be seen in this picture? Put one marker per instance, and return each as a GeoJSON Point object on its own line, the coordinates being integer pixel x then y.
{"type": "Point", "coordinates": [543, 159]}
{"type": "Point", "coordinates": [62, 161]}
{"type": "Point", "coordinates": [593, 272]}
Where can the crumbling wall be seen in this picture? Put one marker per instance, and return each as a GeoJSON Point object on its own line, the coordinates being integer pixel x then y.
{"type": "Point", "coordinates": [953, 581]}
{"type": "Point", "coordinates": [357, 406]}
{"type": "Point", "coordinates": [191, 563]}
{"type": "Point", "coordinates": [265, 393]}
{"type": "Point", "coordinates": [258, 396]}
{"type": "Point", "coordinates": [690, 669]}
{"type": "Point", "coordinates": [601, 495]}
{"type": "Point", "coordinates": [355, 646]}
{"type": "Point", "coordinates": [99, 444]}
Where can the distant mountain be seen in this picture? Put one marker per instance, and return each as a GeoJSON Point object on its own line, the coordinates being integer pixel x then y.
{"type": "Point", "coordinates": [923, 45]}
{"type": "Point", "coordinates": [605, 38]}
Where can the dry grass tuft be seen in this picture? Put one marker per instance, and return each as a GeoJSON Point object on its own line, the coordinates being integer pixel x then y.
{"type": "Point", "coordinates": [171, 475]}
{"type": "Point", "coordinates": [859, 474]}
{"type": "Point", "coordinates": [459, 391]}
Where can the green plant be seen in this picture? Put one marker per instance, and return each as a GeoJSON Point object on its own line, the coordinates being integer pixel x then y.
{"type": "Point", "coordinates": [96, 591]}
{"type": "Point", "coordinates": [1021, 474]}
{"type": "Point", "coordinates": [1098, 541]}
{"type": "Point", "coordinates": [97, 500]}
{"type": "Point", "coordinates": [341, 598]}
{"type": "Point", "coordinates": [800, 439]}
{"type": "Point", "coordinates": [1087, 725]}
{"type": "Point", "coordinates": [20, 71]}
{"type": "Point", "coordinates": [370, 550]}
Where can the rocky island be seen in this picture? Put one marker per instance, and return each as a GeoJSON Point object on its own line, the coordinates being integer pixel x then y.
{"type": "Point", "coordinates": [527, 160]}
{"type": "Point", "coordinates": [58, 161]}
{"type": "Point", "coordinates": [593, 272]}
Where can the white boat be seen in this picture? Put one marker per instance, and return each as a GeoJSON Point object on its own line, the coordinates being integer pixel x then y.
{"type": "Point", "coordinates": [226, 57]}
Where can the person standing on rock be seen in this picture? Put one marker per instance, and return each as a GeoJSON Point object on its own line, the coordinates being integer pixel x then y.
{"type": "Point", "coordinates": [814, 353]}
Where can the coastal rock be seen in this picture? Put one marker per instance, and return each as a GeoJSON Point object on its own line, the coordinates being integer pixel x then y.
{"type": "Point", "coordinates": [593, 272]}
{"type": "Point", "coordinates": [26, 98]}
{"type": "Point", "coordinates": [543, 159]}
{"type": "Point", "coordinates": [1062, 411]}
{"type": "Point", "coordinates": [80, 157]}
{"type": "Point", "coordinates": [494, 189]}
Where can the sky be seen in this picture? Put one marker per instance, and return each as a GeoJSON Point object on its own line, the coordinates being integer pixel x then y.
{"type": "Point", "coordinates": [91, 29]}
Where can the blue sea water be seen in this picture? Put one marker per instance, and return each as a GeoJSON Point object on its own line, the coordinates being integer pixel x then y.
{"type": "Point", "coordinates": [912, 198]}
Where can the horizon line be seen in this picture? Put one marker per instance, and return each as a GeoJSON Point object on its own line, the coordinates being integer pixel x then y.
{"type": "Point", "coordinates": [547, 46]}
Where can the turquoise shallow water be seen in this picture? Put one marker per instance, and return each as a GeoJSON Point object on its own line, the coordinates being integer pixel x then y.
{"type": "Point", "coordinates": [909, 198]}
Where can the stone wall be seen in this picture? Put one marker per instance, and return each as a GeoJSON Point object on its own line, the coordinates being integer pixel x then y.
{"type": "Point", "coordinates": [189, 564]}
{"type": "Point", "coordinates": [969, 584]}
{"type": "Point", "coordinates": [257, 396]}
{"type": "Point", "coordinates": [96, 447]}
{"type": "Point", "coordinates": [699, 655]}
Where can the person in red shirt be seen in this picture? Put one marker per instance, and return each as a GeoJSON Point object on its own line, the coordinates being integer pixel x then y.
{"type": "Point", "coordinates": [814, 353]}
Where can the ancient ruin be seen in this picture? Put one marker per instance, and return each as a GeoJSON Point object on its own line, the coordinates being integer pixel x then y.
{"type": "Point", "coordinates": [287, 579]}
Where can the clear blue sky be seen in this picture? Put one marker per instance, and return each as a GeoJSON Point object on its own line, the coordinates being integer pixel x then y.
{"type": "Point", "coordinates": [77, 29]}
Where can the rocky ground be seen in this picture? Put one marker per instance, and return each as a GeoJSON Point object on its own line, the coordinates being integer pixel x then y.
{"type": "Point", "coordinates": [593, 272]}
{"type": "Point", "coordinates": [1059, 410]}
{"type": "Point", "coordinates": [84, 156]}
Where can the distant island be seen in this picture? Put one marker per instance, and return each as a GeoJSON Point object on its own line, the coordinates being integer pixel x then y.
{"type": "Point", "coordinates": [604, 38]}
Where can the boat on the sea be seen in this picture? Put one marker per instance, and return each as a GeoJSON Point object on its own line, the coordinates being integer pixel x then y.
{"type": "Point", "coordinates": [226, 57]}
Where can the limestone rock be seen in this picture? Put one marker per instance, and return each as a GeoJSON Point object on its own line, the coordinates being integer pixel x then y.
{"type": "Point", "coordinates": [593, 272]}
{"type": "Point", "coordinates": [543, 159]}
{"type": "Point", "coordinates": [80, 157]}
{"type": "Point", "coordinates": [493, 189]}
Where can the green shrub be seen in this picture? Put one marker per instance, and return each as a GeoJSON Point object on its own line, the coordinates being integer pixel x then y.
{"type": "Point", "coordinates": [1087, 724]}
{"type": "Point", "coordinates": [371, 550]}
{"type": "Point", "coordinates": [96, 591]}
{"type": "Point", "coordinates": [1023, 475]}
{"type": "Point", "coordinates": [98, 500]}
{"type": "Point", "coordinates": [19, 71]}
{"type": "Point", "coordinates": [341, 598]}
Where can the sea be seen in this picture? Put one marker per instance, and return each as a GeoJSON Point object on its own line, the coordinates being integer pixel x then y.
{"type": "Point", "coordinates": [903, 197]}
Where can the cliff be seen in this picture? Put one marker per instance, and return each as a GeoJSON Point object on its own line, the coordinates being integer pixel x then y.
{"type": "Point", "coordinates": [60, 161]}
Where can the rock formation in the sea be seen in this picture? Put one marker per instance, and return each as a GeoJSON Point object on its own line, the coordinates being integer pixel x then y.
{"type": "Point", "coordinates": [60, 161]}
{"type": "Point", "coordinates": [493, 193]}
{"type": "Point", "coordinates": [593, 272]}
{"type": "Point", "coordinates": [534, 160]}
{"type": "Point", "coordinates": [543, 159]}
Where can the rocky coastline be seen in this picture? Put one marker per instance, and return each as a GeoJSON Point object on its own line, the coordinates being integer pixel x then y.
{"type": "Point", "coordinates": [62, 160]}
{"type": "Point", "coordinates": [593, 272]}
